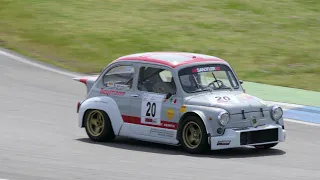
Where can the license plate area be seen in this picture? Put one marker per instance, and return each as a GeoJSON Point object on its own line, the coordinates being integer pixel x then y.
{"type": "Point", "coordinates": [260, 136]}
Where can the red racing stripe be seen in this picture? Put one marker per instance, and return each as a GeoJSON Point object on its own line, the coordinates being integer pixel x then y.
{"type": "Point", "coordinates": [137, 120]}
{"type": "Point", "coordinates": [163, 62]}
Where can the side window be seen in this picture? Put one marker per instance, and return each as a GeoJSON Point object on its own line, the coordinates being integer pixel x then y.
{"type": "Point", "coordinates": [156, 80]}
{"type": "Point", "coordinates": [165, 76]}
{"type": "Point", "coordinates": [119, 77]}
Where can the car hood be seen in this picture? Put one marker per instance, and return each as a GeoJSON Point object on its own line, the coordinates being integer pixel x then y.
{"type": "Point", "coordinates": [233, 102]}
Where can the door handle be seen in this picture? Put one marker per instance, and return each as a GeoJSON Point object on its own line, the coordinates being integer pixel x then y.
{"type": "Point", "coordinates": [134, 95]}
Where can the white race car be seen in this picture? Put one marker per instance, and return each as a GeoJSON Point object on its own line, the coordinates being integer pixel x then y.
{"type": "Point", "coordinates": [177, 98]}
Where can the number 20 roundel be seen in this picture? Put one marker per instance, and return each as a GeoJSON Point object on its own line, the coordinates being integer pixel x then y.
{"type": "Point", "coordinates": [151, 108]}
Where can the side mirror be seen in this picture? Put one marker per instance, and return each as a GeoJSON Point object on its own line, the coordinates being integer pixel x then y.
{"type": "Point", "coordinates": [168, 95]}
{"type": "Point", "coordinates": [241, 82]}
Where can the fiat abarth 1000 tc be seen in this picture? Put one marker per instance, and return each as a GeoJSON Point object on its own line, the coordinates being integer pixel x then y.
{"type": "Point", "coordinates": [177, 98]}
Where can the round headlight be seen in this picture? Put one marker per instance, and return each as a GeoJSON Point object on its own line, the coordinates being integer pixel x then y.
{"type": "Point", "coordinates": [223, 118]}
{"type": "Point", "coordinates": [276, 113]}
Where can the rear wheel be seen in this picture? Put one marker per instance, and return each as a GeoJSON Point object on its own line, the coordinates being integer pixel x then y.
{"type": "Point", "coordinates": [193, 136]}
{"type": "Point", "coordinates": [266, 146]}
{"type": "Point", "coordinates": [98, 126]}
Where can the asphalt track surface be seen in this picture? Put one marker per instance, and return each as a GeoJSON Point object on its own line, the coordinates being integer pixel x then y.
{"type": "Point", "coordinates": [39, 139]}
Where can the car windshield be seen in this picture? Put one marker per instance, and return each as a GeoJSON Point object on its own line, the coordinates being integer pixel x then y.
{"type": "Point", "coordinates": [207, 77]}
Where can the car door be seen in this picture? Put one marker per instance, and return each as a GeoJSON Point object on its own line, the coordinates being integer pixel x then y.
{"type": "Point", "coordinates": [154, 116]}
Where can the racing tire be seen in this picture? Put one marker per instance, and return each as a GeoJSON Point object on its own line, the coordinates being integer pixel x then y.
{"type": "Point", "coordinates": [193, 135]}
{"type": "Point", "coordinates": [266, 146]}
{"type": "Point", "coordinates": [98, 126]}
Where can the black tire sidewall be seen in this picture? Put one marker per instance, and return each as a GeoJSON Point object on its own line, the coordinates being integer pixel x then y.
{"type": "Point", "coordinates": [204, 145]}
{"type": "Point", "coordinates": [107, 132]}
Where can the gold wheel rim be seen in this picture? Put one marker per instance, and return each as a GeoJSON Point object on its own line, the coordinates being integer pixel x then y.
{"type": "Point", "coordinates": [95, 123]}
{"type": "Point", "coordinates": [192, 135]}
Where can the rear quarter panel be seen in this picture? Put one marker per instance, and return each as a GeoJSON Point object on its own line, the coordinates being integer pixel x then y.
{"type": "Point", "coordinates": [105, 104]}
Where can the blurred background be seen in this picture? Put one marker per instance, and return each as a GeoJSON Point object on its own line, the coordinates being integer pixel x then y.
{"type": "Point", "coordinates": [273, 42]}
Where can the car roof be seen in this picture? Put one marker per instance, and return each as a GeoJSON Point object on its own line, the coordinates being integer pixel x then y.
{"type": "Point", "coordinates": [172, 59]}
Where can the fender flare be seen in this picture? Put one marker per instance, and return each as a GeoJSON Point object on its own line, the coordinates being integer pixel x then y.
{"type": "Point", "coordinates": [106, 104]}
{"type": "Point", "coordinates": [201, 115]}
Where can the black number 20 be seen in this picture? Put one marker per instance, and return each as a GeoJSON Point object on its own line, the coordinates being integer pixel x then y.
{"type": "Point", "coordinates": [224, 97]}
{"type": "Point", "coordinates": [153, 109]}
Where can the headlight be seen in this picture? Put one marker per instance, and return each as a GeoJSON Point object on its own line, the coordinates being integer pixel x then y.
{"type": "Point", "coordinates": [223, 118]}
{"type": "Point", "coordinates": [276, 113]}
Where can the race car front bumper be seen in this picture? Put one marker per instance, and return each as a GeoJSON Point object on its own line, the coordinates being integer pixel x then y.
{"type": "Point", "coordinates": [233, 138]}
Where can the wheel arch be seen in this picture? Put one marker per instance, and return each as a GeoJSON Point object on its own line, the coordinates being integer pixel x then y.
{"type": "Point", "coordinates": [196, 113]}
{"type": "Point", "coordinates": [105, 104]}
{"type": "Point", "coordinates": [90, 109]}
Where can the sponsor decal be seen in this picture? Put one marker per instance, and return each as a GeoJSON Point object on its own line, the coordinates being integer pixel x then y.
{"type": "Point", "coordinates": [205, 69]}
{"type": "Point", "coordinates": [112, 92]}
{"type": "Point", "coordinates": [110, 84]}
{"type": "Point", "coordinates": [225, 99]}
{"type": "Point", "coordinates": [161, 133]}
{"type": "Point", "coordinates": [118, 86]}
{"type": "Point", "coordinates": [183, 109]}
{"type": "Point", "coordinates": [254, 121]}
{"type": "Point", "coordinates": [171, 100]}
{"type": "Point", "coordinates": [121, 86]}
{"type": "Point", "coordinates": [225, 142]}
{"type": "Point", "coordinates": [148, 120]}
{"type": "Point", "coordinates": [174, 126]}
{"type": "Point", "coordinates": [170, 113]}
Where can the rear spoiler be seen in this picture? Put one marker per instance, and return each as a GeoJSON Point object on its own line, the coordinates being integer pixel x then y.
{"type": "Point", "coordinates": [87, 80]}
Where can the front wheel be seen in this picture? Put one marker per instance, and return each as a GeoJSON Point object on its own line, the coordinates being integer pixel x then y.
{"type": "Point", "coordinates": [193, 136]}
{"type": "Point", "coordinates": [98, 126]}
{"type": "Point", "coordinates": [266, 146]}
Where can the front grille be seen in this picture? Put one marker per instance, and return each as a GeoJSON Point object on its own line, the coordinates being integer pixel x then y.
{"type": "Point", "coordinates": [261, 136]}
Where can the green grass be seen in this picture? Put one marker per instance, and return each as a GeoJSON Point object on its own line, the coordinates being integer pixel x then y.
{"type": "Point", "coordinates": [275, 42]}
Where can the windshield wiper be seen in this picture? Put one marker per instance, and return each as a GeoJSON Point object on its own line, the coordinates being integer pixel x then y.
{"type": "Point", "coordinates": [200, 90]}
{"type": "Point", "coordinates": [225, 88]}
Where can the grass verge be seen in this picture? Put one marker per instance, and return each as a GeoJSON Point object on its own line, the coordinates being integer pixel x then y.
{"type": "Point", "coordinates": [274, 42]}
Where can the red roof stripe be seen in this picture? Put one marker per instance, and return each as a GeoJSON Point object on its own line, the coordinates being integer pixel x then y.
{"type": "Point", "coordinates": [141, 58]}
{"type": "Point", "coordinates": [173, 65]}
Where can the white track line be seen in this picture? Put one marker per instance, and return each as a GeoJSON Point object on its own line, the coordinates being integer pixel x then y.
{"type": "Point", "coordinates": [310, 108]}
{"type": "Point", "coordinates": [302, 122]}
{"type": "Point", "coordinates": [23, 60]}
